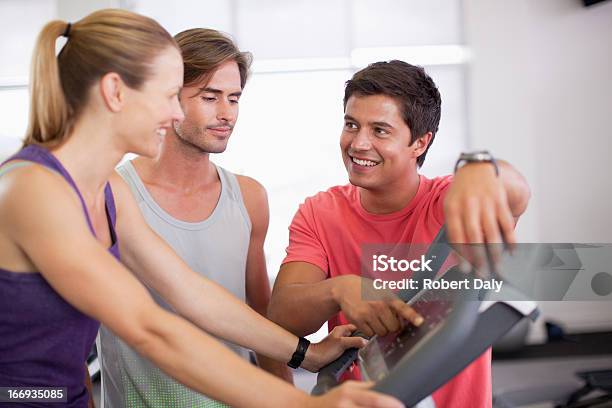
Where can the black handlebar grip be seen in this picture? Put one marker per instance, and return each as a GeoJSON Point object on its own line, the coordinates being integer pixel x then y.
{"type": "Point", "coordinates": [329, 376]}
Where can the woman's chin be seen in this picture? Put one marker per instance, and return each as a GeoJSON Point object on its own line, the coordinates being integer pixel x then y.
{"type": "Point", "coordinates": [153, 148]}
{"type": "Point", "coordinates": [151, 151]}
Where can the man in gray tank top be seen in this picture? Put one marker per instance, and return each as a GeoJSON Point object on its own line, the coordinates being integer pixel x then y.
{"type": "Point", "coordinates": [215, 220]}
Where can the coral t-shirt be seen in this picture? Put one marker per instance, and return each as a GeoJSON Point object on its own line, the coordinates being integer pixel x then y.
{"type": "Point", "coordinates": [328, 231]}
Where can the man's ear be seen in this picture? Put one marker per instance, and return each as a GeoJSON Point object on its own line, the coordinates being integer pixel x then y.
{"type": "Point", "coordinates": [420, 145]}
{"type": "Point", "coordinates": [112, 90]}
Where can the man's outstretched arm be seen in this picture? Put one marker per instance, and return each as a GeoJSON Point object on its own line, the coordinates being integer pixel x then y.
{"type": "Point", "coordinates": [302, 300]}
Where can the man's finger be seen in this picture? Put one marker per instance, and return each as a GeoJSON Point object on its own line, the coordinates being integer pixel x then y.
{"type": "Point", "coordinates": [353, 342]}
{"type": "Point", "coordinates": [375, 323]}
{"type": "Point", "coordinates": [343, 330]}
{"type": "Point", "coordinates": [456, 236]}
{"type": "Point", "coordinates": [493, 238]}
{"type": "Point", "coordinates": [407, 312]}
{"type": "Point", "coordinates": [475, 237]}
{"type": "Point", "coordinates": [454, 225]}
{"type": "Point", "coordinates": [506, 223]}
{"type": "Point", "coordinates": [364, 327]}
{"type": "Point", "coordinates": [388, 317]}
{"type": "Point", "coordinates": [471, 222]}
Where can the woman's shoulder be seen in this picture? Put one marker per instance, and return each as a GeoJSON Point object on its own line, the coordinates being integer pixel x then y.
{"type": "Point", "coordinates": [30, 186]}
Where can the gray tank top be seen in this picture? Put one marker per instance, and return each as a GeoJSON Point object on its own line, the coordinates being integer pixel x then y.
{"type": "Point", "coordinates": [216, 248]}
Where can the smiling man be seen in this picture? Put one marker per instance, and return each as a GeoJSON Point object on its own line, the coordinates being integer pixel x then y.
{"type": "Point", "coordinates": [215, 220]}
{"type": "Point", "coordinates": [392, 110]}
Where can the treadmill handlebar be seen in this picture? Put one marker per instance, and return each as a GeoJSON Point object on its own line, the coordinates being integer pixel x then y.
{"type": "Point", "coordinates": [329, 376]}
{"type": "Point", "coordinates": [527, 308]}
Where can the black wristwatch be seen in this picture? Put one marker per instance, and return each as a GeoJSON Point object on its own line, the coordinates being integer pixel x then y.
{"type": "Point", "coordinates": [299, 354]}
{"type": "Point", "coordinates": [482, 156]}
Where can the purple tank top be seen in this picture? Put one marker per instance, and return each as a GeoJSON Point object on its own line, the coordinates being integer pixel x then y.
{"type": "Point", "coordinates": [44, 341]}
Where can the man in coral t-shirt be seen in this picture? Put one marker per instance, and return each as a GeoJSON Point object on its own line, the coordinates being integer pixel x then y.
{"type": "Point", "coordinates": [392, 111]}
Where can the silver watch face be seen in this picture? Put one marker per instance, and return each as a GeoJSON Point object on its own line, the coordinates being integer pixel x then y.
{"type": "Point", "coordinates": [480, 156]}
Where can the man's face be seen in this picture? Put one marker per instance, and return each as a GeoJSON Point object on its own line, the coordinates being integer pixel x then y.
{"type": "Point", "coordinates": [211, 110]}
{"type": "Point", "coordinates": [375, 142]}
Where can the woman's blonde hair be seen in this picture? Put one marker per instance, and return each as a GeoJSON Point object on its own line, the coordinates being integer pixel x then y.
{"type": "Point", "coordinates": [111, 40]}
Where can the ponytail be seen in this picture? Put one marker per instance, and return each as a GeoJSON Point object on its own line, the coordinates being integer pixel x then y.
{"type": "Point", "coordinates": [49, 111]}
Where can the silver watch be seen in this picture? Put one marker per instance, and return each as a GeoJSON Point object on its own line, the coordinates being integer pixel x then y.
{"type": "Point", "coordinates": [482, 156]}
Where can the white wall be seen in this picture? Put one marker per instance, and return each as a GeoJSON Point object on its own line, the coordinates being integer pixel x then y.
{"type": "Point", "coordinates": [20, 23]}
{"type": "Point", "coordinates": [540, 95]}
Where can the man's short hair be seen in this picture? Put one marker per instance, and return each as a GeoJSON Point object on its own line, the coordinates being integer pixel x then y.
{"type": "Point", "coordinates": [410, 86]}
{"type": "Point", "coordinates": [204, 50]}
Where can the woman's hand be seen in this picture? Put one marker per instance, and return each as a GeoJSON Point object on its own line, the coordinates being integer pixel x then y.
{"type": "Point", "coordinates": [330, 348]}
{"type": "Point", "coordinates": [354, 394]}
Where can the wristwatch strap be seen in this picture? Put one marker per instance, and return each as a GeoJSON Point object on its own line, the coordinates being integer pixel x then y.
{"type": "Point", "coordinates": [299, 354]}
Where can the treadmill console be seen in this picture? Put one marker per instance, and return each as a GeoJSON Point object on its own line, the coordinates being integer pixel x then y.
{"type": "Point", "coordinates": [383, 353]}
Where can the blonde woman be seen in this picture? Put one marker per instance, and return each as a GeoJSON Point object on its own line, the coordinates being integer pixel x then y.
{"type": "Point", "coordinates": [73, 245]}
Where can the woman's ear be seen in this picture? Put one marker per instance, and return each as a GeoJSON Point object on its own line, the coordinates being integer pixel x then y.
{"type": "Point", "coordinates": [112, 90]}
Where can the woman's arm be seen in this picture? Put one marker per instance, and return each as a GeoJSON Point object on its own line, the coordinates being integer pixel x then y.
{"type": "Point", "coordinates": [46, 221]}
